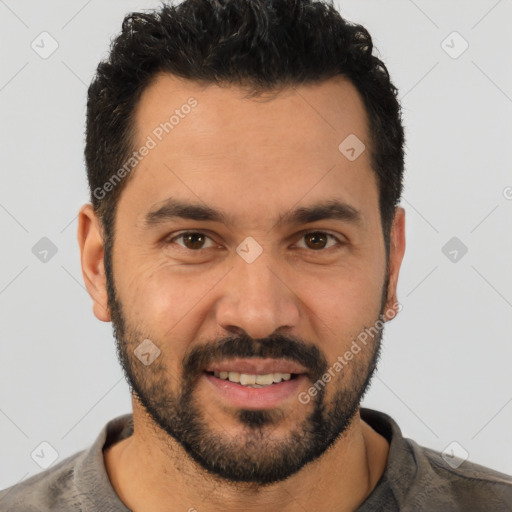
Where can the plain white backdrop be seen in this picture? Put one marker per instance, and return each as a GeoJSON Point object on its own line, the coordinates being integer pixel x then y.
{"type": "Point", "coordinates": [445, 372]}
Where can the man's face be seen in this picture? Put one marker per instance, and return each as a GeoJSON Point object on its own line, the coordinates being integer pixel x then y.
{"type": "Point", "coordinates": [260, 292]}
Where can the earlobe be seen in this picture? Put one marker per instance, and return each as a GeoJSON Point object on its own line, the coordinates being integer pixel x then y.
{"type": "Point", "coordinates": [396, 254]}
{"type": "Point", "coordinates": [90, 240]}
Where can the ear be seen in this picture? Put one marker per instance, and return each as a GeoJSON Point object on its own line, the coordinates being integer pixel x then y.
{"type": "Point", "coordinates": [90, 240]}
{"type": "Point", "coordinates": [396, 254]}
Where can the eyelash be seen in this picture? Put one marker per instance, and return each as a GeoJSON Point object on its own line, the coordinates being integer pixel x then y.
{"type": "Point", "coordinates": [302, 235]}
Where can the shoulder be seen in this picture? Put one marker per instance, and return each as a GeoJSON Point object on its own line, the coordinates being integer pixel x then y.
{"type": "Point", "coordinates": [418, 478]}
{"type": "Point", "coordinates": [77, 483]}
{"type": "Point", "coordinates": [52, 489]}
{"type": "Point", "coordinates": [467, 485]}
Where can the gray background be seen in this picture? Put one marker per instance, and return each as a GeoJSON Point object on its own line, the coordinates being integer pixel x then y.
{"type": "Point", "coordinates": [445, 371]}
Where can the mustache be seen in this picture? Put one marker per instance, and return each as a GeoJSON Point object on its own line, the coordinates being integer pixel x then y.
{"type": "Point", "coordinates": [243, 346]}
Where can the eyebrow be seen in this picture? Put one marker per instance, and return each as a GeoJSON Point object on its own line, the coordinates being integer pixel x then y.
{"type": "Point", "coordinates": [172, 208]}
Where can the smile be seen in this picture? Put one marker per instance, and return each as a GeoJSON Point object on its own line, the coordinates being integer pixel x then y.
{"type": "Point", "coordinates": [253, 380]}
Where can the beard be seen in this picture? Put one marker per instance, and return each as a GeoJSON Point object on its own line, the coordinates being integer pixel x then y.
{"type": "Point", "coordinates": [253, 455]}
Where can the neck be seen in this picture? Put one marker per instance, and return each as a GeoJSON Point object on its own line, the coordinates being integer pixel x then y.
{"type": "Point", "coordinates": [150, 471]}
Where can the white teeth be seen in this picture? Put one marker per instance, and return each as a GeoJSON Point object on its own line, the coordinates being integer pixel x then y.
{"type": "Point", "coordinates": [265, 379]}
{"type": "Point", "coordinates": [246, 379]}
{"type": "Point", "coordinates": [252, 380]}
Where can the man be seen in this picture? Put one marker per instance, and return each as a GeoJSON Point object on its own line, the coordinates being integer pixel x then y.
{"type": "Point", "coordinates": [245, 161]}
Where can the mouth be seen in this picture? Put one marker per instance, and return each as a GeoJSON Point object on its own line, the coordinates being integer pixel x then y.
{"type": "Point", "coordinates": [256, 384]}
{"type": "Point", "coordinates": [254, 380]}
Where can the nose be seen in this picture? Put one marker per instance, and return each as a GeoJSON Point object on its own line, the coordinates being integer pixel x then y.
{"type": "Point", "coordinates": [258, 299]}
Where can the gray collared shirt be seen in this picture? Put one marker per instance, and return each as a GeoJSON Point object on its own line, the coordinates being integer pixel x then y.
{"type": "Point", "coordinates": [416, 479]}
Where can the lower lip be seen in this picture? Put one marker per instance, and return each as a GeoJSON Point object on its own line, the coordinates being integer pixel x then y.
{"type": "Point", "coordinates": [257, 398]}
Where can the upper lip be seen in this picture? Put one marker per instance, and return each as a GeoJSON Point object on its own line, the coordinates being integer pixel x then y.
{"type": "Point", "coordinates": [256, 366]}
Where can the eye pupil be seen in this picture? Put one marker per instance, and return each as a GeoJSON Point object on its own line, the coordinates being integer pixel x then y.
{"type": "Point", "coordinates": [190, 237]}
{"type": "Point", "coordinates": [317, 238]}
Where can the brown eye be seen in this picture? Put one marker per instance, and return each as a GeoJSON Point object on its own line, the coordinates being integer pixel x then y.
{"type": "Point", "coordinates": [318, 240]}
{"type": "Point", "coordinates": [315, 240]}
{"type": "Point", "coordinates": [192, 240]}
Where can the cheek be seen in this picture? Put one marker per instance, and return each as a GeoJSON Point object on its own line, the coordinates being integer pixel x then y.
{"type": "Point", "coordinates": [169, 301]}
{"type": "Point", "coordinates": [339, 307]}
{"type": "Point", "coordinates": [146, 293]}
{"type": "Point", "coordinates": [347, 292]}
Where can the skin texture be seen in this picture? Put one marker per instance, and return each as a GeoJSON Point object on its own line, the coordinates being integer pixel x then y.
{"type": "Point", "coordinates": [255, 160]}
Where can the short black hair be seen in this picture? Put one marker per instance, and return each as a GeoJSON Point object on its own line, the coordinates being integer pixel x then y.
{"type": "Point", "coordinates": [262, 45]}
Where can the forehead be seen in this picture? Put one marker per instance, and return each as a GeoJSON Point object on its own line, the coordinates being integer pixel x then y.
{"type": "Point", "coordinates": [214, 143]}
{"type": "Point", "coordinates": [330, 109]}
